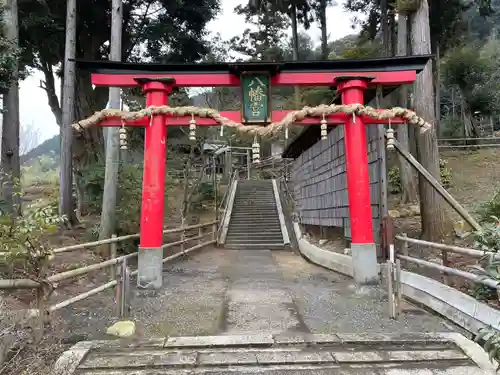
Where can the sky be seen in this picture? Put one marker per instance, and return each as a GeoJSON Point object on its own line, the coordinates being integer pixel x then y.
{"type": "Point", "coordinates": [35, 111]}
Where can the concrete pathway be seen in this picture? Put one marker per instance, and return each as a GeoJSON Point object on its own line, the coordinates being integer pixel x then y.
{"type": "Point", "coordinates": [221, 291]}
{"type": "Point", "coordinates": [225, 312]}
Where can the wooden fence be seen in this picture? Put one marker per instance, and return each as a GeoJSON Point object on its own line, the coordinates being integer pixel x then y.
{"type": "Point", "coordinates": [403, 257]}
{"type": "Point", "coordinates": [468, 143]}
{"type": "Point", "coordinates": [120, 273]}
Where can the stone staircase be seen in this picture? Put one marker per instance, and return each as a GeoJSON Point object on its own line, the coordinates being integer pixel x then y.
{"type": "Point", "coordinates": [255, 222]}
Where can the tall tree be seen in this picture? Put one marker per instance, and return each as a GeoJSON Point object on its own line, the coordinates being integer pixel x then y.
{"type": "Point", "coordinates": [266, 42]}
{"type": "Point", "coordinates": [435, 222]}
{"type": "Point", "coordinates": [166, 30]}
{"type": "Point", "coordinates": [408, 181]}
{"type": "Point", "coordinates": [68, 92]}
{"type": "Point", "coordinates": [320, 11]}
{"type": "Point", "coordinates": [108, 213]}
{"type": "Point", "coordinates": [10, 128]}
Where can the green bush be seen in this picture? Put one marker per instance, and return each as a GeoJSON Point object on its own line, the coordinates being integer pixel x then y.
{"type": "Point", "coordinates": [206, 191]}
{"type": "Point", "coordinates": [394, 177]}
{"type": "Point", "coordinates": [129, 196]}
{"type": "Point", "coordinates": [23, 242]}
{"type": "Point", "coordinates": [490, 210]}
{"type": "Point", "coordinates": [488, 239]}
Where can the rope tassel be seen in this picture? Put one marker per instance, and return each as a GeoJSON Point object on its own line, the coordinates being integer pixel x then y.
{"type": "Point", "coordinates": [324, 125]}
{"type": "Point", "coordinates": [390, 137]}
{"type": "Point", "coordinates": [123, 137]}
{"type": "Point", "coordinates": [192, 128]}
{"type": "Point", "coordinates": [256, 150]}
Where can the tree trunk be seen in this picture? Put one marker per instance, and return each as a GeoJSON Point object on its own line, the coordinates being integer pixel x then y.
{"type": "Point", "coordinates": [295, 50]}
{"type": "Point", "coordinates": [11, 177]}
{"type": "Point", "coordinates": [324, 35]}
{"type": "Point", "coordinates": [108, 214]}
{"type": "Point", "coordinates": [384, 25]}
{"type": "Point", "coordinates": [66, 173]}
{"type": "Point", "coordinates": [435, 223]}
{"type": "Point", "coordinates": [437, 85]}
{"type": "Point", "coordinates": [408, 181]}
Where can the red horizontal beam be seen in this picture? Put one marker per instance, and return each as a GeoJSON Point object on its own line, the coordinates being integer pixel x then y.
{"type": "Point", "coordinates": [334, 119]}
{"type": "Point", "coordinates": [280, 79]}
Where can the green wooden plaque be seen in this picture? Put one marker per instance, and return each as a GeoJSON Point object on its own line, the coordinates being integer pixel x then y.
{"type": "Point", "coordinates": [256, 92]}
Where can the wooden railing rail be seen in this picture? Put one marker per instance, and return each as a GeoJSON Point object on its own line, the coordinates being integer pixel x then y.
{"type": "Point", "coordinates": [394, 267]}
{"type": "Point", "coordinates": [120, 275]}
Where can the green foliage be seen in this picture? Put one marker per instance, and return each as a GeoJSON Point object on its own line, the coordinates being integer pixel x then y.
{"type": "Point", "coordinates": [447, 18]}
{"type": "Point", "coordinates": [483, 292]}
{"type": "Point", "coordinates": [23, 239]}
{"type": "Point", "coordinates": [451, 126]}
{"type": "Point", "coordinates": [264, 43]}
{"type": "Point", "coordinates": [394, 177]}
{"type": "Point", "coordinates": [489, 338]}
{"type": "Point", "coordinates": [43, 170]}
{"type": "Point", "coordinates": [9, 57]}
{"type": "Point", "coordinates": [490, 210]}
{"type": "Point", "coordinates": [488, 239]}
{"type": "Point", "coordinates": [129, 196]}
{"type": "Point", "coordinates": [206, 191]}
{"type": "Point", "coordinates": [362, 51]}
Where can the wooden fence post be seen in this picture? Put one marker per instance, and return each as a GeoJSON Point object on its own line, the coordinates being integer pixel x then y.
{"type": "Point", "coordinates": [126, 291]}
{"type": "Point", "coordinates": [214, 231]}
{"type": "Point", "coordinates": [41, 298]}
{"type": "Point", "coordinates": [112, 255]}
{"type": "Point", "coordinates": [390, 289]}
{"type": "Point", "coordinates": [183, 238]}
{"type": "Point", "coordinates": [200, 234]}
{"type": "Point", "coordinates": [118, 289]}
{"type": "Point", "coordinates": [399, 288]}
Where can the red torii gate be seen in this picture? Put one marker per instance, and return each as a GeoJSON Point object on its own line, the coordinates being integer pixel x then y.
{"type": "Point", "coordinates": [353, 79]}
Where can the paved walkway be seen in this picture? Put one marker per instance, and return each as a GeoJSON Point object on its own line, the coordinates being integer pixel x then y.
{"type": "Point", "coordinates": [227, 312]}
{"type": "Point", "coordinates": [221, 291]}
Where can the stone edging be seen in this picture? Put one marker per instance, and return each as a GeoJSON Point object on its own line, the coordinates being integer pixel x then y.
{"type": "Point", "coordinates": [74, 357]}
{"type": "Point", "coordinates": [227, 212]}
{"type": "Point", "coordinates": [463, 310]}
{"type": "Point", "coordinates": [279, 208]}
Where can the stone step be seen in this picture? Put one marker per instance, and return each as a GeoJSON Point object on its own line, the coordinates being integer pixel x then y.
{"type": "Point", "coordinates": [256, 213]}
{"type": "Point", "coordinates": [272, 227]}
{"type": "Point", "coordinates": [245, 246]}
{"type": "Point", "coordinates": [253, 237]}
{"type": "Point", "coordinates": [246, 200]}
{"type": "Point", "coordinates": [255, 229]}
{"type": "Point", "coordinates": [254, 242]}
{"type": "Point", "coordinates": [284, 353]}
{"type": "Point", "coordinates": [261, 224]}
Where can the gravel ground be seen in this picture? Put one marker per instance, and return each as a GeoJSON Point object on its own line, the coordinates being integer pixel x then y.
{"type": "Point", "coordinates": [221, 291]}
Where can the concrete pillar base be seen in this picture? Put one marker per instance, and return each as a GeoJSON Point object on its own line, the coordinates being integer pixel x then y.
{"type": "Point", "coordinates": [364, 260]}
{"type": "Point", "coordinates": [150, 268]}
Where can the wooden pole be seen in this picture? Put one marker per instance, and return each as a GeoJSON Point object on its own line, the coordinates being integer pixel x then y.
{"type": "Point", "coordinates": [113, 252]}
{"type": "Point", "coordinates": [68, 108]}
{"type": "Point", "coordinates": [108, 222]}
{"type": "Point", "coordinates": [438, 187]}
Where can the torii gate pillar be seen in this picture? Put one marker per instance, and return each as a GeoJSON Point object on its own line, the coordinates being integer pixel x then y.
{"type": "Point", "coordinates": [363, 247]}
{"type": "Point", "coordinates": [150, 265]}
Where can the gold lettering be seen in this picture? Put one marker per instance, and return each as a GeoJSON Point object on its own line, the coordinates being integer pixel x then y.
{"type": "Point", "coordinates": [257, 96]}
